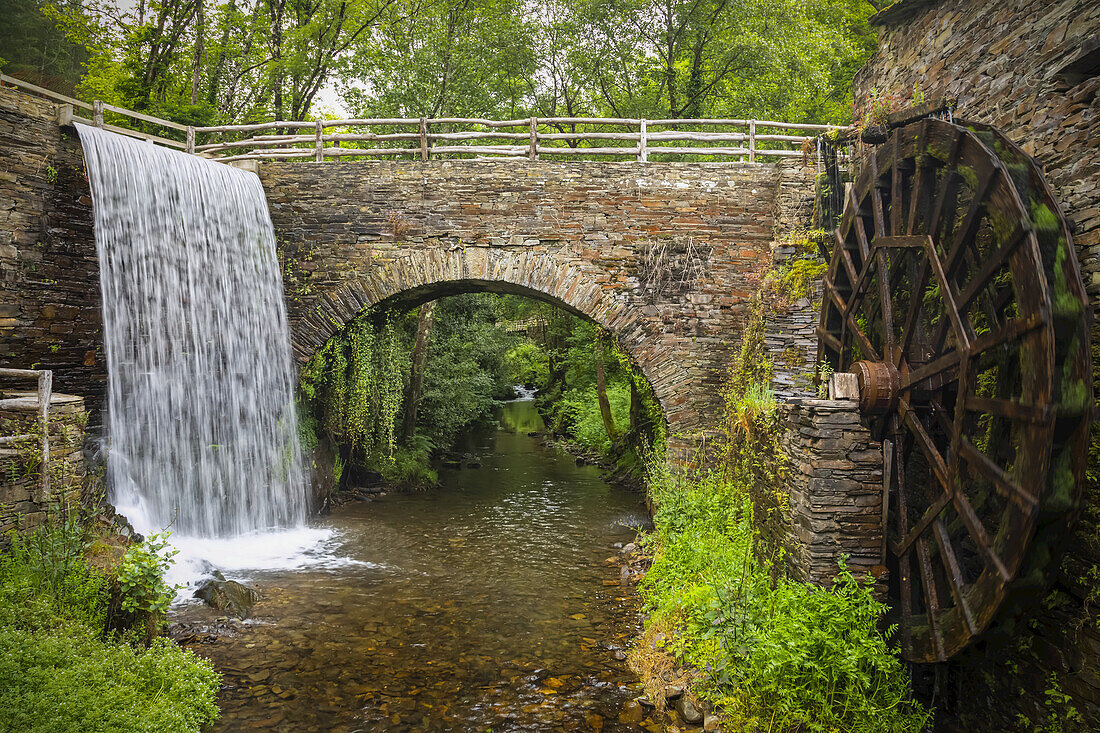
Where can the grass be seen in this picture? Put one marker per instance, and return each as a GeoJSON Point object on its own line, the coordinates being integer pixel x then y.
{"type": "Point", "coordinates": [66, 667]}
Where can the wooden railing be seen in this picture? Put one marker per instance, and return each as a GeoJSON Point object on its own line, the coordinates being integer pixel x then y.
{"type": "Point", "coordinates": [44, 378]}
{"type": "Point", "coordinates": [531, 138]}
{"type": "Point", "coordinates": [468, 137]}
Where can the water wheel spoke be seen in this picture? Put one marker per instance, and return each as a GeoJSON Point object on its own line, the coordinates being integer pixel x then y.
{"type": "Point", "coordinates": [931, 369]}
{"type": "Point", "coordinates": [865, 344]}
{"type": "Point", "coordinates": [962, 331]}
{"type": "Point", "coordinates": [980, 537]}
{"type": "Point", "coordinates": [929, 516]}
{"type": "Point", "coordinates": [857, 224]}
{"type": "Point", "coordinates": [1009, 409]}
{"type": "Point", "coordinates": [964, 236]}
{"type": "Point", "coordinates": [981, 463]}
{"type": "Point", "coordinates": [927, 445]}
{"type": "Point", "coordinates": [897, 191]}
{"type": "Point", "coordinates": [1010, 331]}
{"type": "Point", "coordinates": [931, 598]}
{"type": "Point", "coordinates": [954, 574]}
{"type": "Point", "coordinates": [846, 259]}
{"type": "Point", "coordinates": [904, 562]}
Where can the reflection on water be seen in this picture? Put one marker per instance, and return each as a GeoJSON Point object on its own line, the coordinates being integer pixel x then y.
{"type": "Point", "coordinates": [487, 604]}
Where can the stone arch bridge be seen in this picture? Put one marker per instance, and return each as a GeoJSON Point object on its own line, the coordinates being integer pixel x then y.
{"type": "Point", "coordinates": [663, 255]}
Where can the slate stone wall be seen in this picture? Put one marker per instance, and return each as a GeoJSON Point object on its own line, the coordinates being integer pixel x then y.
{"type": "Point", "coordinates": [1002, 62]}
{"type": "Point", "coordinates": [661, 254]}
{"type": "Point", "coordinates": [835, 484]}
{"type": "Point", "coordinates": [23, 504]}
{"type": "Point", "coordinates": [49, 275]}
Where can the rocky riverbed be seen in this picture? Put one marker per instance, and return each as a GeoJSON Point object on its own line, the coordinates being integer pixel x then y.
{"type": "Point", "coordinates": [495, 602]}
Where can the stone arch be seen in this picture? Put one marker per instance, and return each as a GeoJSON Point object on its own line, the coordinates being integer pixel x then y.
{"type": "Point", "coordinates": [418, 276]}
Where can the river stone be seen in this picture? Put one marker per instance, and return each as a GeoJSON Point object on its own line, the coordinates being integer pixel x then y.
{"type": "Point", "coordinates": [230, 596]}
{"type": "Point", "coordinates": [687, 710]}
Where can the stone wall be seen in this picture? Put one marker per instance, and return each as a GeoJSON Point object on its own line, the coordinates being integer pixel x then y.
{"type": "Point", "coordinates": [49, 276]}
{"type": "Point", "coordinates": [835, 484]}
{"type": "Point", "coordinates": [23, 504]}
{"type": "Point", "coordinates": [1003, 62]}
{"type": "Point", "coordinates": [661, 254]}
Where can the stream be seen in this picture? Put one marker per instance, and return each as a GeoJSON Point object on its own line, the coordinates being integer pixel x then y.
{"type": "Point", "coordinates": [491, 603]}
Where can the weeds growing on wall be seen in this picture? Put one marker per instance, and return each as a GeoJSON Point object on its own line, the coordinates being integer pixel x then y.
{"type": "Point", "coordinates": [65, 666]}
{"type": "Point", "coordinates": [772, 654]}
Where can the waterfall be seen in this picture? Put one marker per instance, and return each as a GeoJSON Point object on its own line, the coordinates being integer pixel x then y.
{"type": "Point", "coordinates": [201, 427]}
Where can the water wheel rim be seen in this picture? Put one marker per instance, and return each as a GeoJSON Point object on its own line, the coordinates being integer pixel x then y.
{"type": "Point", "coordinates": [898, 212]}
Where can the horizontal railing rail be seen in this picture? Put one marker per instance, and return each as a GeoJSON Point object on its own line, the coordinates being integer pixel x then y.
{"type": "Point", "coordinates": [423, 138]}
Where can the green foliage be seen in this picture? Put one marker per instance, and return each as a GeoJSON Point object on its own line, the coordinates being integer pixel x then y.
{"type": "Point", "coordinates": [44, 579]}
{"type": "Point", "coordinates": [68, 679]}
{"type": "Point", "coordinates": [527, 363]}
{"type": "Point", "coordinates": [63, 670]}
{"type": "Point", "coordinates": [772, 653]}
{"type": "Point", "coordinates": [141, 576]}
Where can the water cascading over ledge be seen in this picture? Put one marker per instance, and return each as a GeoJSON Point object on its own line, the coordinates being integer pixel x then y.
{"type": "Point", "coordinates": [201, 426]}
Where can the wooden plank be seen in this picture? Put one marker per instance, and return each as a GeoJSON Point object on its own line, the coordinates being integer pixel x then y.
{"type": "Point", "coordinates": [144, 117]}
{"type": "Point", "coordinates": [42, 91]}
{"type": "Point", "coordinates": [134, 133]}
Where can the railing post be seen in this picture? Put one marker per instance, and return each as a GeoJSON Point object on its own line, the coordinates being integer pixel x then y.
{"type": "Point", "coordinates": [752, 141]}
{"type": "Point", "coordinates": [45, 390]}
{"type": "Point", "coordinates": [97, 112]}
{"type": "Point", "coordinates": [533, 150]}
{"type": "Point", "coordinates": [642, 154]}
{"type": "Point", "coordinates": [190, 139]}
{"type": "Point", "coordinates": [423, 138]}
{"type": "Point", "coordinates": [319, 145]}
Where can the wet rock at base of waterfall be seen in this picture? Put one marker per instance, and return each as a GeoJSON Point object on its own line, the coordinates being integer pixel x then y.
{"type": "Point", "coordinates": [452, 464]}
{"type": "Point", "coordinates": [687, 710]}
{"type": "Point", "coordinates": [230, 596]}
{"type": "Point", "coordinates": [673, 692]}
{"type": "Point", "coordinates": [711, 722]}
{"type": "Point", "coordinates": [473, 464]}
{"type": "Point", "coordinates": [632, 713]}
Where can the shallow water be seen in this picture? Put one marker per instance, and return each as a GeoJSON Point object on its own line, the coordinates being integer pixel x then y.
{"type": "Point", "coordinates": [490, 603]}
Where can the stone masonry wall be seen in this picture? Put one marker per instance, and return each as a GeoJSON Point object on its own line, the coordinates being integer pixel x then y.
{"type": "Point", "coordinates": [1001, 61]}
{"type": "Point", "coordinates": [49, 276]}
{"type": "Point", "coordinates": [23, 505]}
{"type": "Point", "coordinates": [835, 485]}
{"type": "Point", "coordinates": [660, 254]}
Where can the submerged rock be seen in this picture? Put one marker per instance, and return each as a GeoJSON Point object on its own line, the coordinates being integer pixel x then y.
{"type": "Point", "coordinates": [230, 596]}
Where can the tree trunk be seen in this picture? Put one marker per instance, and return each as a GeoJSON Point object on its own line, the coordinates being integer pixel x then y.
{"type": "Point", "coordinates": [601, 392]}
{"type": "Point", "coordinates": [416, 379]}
{"type": "Point", "coordinates": [200, 37]}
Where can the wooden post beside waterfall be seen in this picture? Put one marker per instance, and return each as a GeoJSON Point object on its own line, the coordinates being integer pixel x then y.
{"type": "Point", "coordinates": [642, 155]}
{"type": "Point", "coordinates": [423, 138]}
{"type": "Point", "coordinates": [533, 151]}
{"type": "Point", "coordinates": [319, 146]}
{"type": "Point", "coordinates": [97, 112]}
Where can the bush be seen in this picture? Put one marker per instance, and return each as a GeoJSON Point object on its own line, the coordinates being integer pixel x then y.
{"type": "Point", "coordinates": [774, 654]}
{"type": "Point", "coordinates": [63, 670]}
{"type": "Point", "coordinates": [68, 679]}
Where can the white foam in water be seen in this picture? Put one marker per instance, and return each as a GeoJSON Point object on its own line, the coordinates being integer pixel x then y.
{"type": "Point", "coordinates": [245, 556]}
{"type": "Point", "coordinates": [201, 427]}
{"type": "Point", "coordinates": [523, 394]}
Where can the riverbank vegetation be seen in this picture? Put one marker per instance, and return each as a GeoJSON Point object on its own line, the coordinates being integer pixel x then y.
{"type": "Point", "coordinates": [769, 653]}
{"type": "Point", "coordinates": [392, 391]}
{"type": "Point", "coordinates": [79, 651]}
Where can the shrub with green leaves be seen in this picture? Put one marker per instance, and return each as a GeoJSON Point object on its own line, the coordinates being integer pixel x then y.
{"type": "Point", "coordinates": [141, 576]}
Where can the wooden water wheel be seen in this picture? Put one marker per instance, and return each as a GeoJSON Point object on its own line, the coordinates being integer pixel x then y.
{"type": "Point", "coordinates": [953, 293]}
